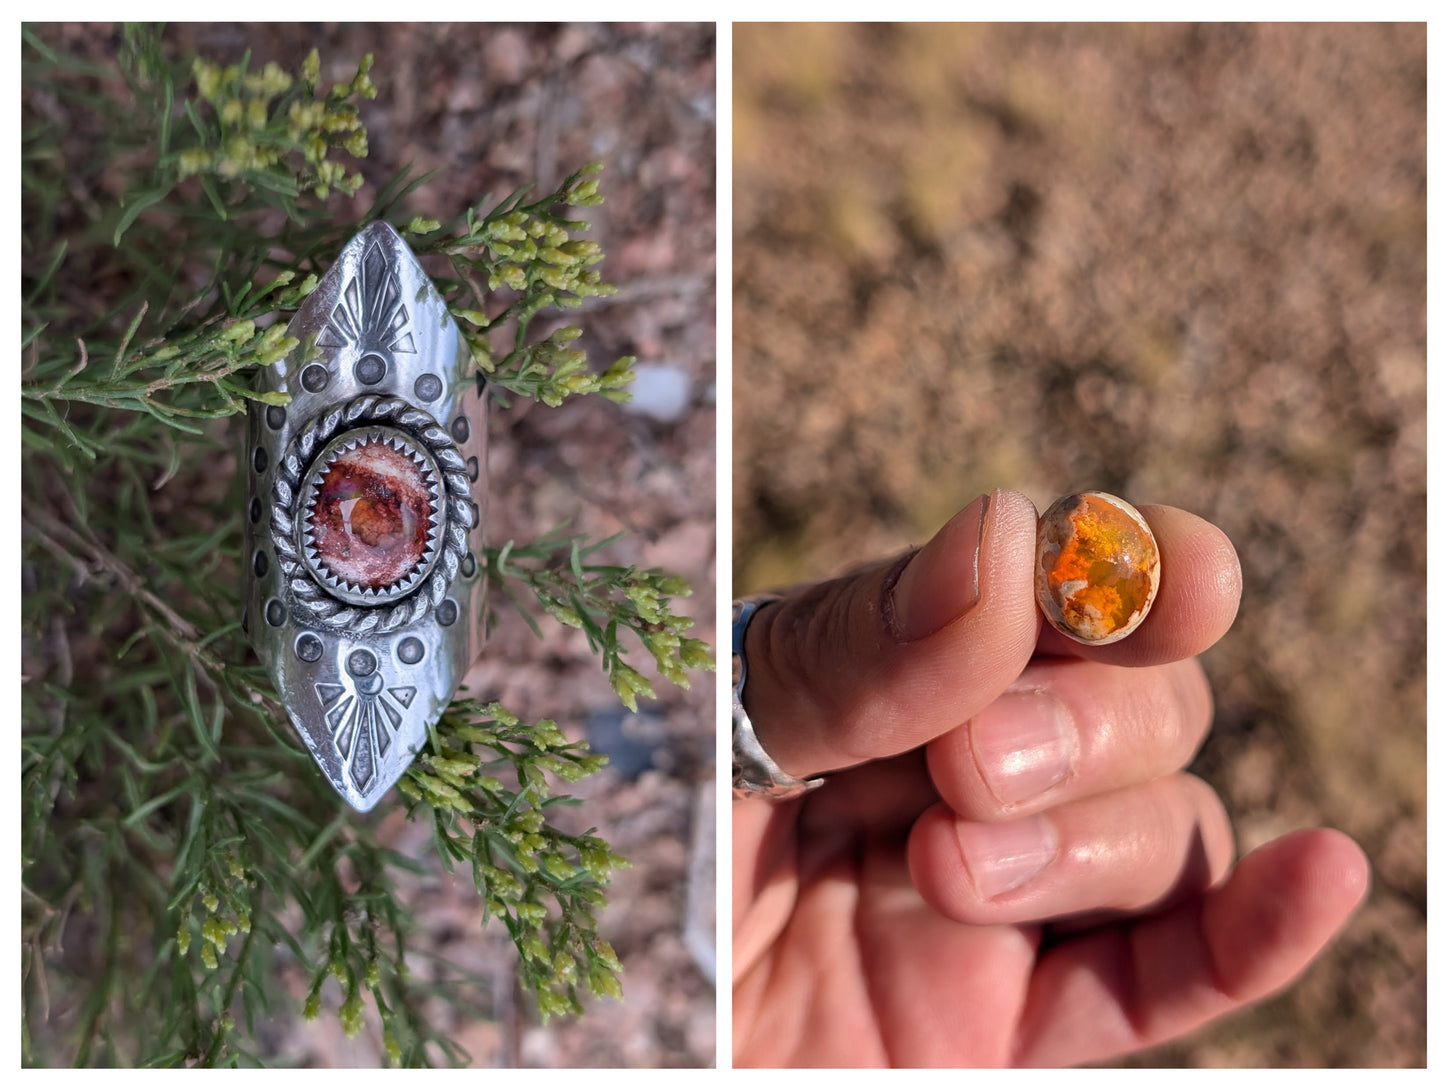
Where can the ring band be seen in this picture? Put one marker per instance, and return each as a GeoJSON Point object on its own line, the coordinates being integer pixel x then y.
{"type": "Point", "coordinates": [755, 774]}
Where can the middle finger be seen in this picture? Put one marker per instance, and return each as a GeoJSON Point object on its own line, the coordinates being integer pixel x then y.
{"type": "Point", "coordinates": [1067, 729]}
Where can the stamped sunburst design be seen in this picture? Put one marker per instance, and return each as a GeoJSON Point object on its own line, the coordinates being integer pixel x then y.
{"type": "Point", "coordinates": [364, 717]}
{"type": "Point", "coordinates": [372, 506]}
{"type": "Point", "coordinates": [370, 314]}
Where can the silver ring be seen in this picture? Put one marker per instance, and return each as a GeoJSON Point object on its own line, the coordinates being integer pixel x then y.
{"type": "Point", "coordinates": [755, 774]}
{"type": "Point", "coordinates": [366, 594]}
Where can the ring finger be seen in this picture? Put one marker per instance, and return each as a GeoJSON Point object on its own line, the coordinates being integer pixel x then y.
{"type": "Point", "coordinates": [1128, 850]}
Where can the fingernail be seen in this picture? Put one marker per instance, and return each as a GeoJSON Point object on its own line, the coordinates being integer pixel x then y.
{"type": "Point", "coordinates": [940, 582]}
{"type": "Point", "coordinates": [1002, 856]}
{"type": "Point", "coordinates": [1024, 744]}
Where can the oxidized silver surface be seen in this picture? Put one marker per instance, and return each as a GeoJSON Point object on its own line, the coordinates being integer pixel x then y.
{"type": "Point", "coordinates": [366, 593]}
{"type": "Point", "coordinates": [755, 773]}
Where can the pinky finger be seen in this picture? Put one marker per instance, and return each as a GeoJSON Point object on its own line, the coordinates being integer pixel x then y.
{"type": "Point", "coordinates": [1133, 985]}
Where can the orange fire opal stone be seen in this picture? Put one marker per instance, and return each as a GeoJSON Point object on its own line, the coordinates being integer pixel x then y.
{"type": "Point", "coordinates": [1097, 568]}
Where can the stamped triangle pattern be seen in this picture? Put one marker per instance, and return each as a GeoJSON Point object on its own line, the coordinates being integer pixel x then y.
{"type": "Point", "coordinates": [363, 726]}
{"type": "Point", "coordinates": [370, 314]}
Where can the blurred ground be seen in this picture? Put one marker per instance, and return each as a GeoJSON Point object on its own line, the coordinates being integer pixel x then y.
{"type": "Point", "coordinates": [1184, 264]}
{"type": "Point", "coordinates": [498, 107]}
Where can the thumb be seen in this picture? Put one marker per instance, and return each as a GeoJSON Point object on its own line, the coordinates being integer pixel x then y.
{"type": "Point", "coordinates": [888, 657]}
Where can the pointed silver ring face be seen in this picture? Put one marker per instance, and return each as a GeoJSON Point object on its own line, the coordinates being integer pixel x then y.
{"type": "Point", "coordinates": [366, 596]}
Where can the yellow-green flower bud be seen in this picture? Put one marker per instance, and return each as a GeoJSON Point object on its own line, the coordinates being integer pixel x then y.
{"type": "Point", "coordinates": [607, 955]}
{"type": "Point", "coordinates": [503, 230]}
{"type": "Point", "coordinates": [274, 80]}
{"type": "Point", "coordinates": [502, 715]}
{"type": "Point", "coordinates": [564, 965]}
{"type": "Point", "coordinates": [511, 275]}
{"type": "Point", "coordinates": [628, 684]}
{"type": "Point", "coordinates": [311, 67]}
{"type": "Point", "coordinates": [551, 1004]}
{"type": "Point", "coordinates": [587, 251]}
{"type": "Point", "coordinates": [533, 948]}
{"type": "Point", "coordinates": [437, 788]}
{"type": "Point", "coordinates": [605, 985]}
{"type": "Point", "coordinates": [697, 655]}
{"type": "Point", "coordinates": [239, 332]}
{"type": "Point", "coordinates": [344, 119]}
{"type": "Point", "coordinates": [208, 78]}
{"type": "Point", "coordinates": [661, 645]}
{"type": "Point", "coordinates": [351, 1016]}
{"type": "Point", "coordinates": [558, 867]}
{"type": "Point", "coordinates": [668, 584]}
{"type": "Point", "coordinates": [584, 195]}
{"type": "Point", "coordinates": [566, 615]}
{"type": "Point", "coordinates": [192, 161]}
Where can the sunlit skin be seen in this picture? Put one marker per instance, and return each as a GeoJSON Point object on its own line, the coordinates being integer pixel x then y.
{"type": "Point", "coordinates": [873, 922]}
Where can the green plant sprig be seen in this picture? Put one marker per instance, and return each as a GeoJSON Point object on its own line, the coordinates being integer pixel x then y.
{"type": "Point", "coordinates": [526, 251]}
{"type": "Point", "coordinates": [544, 884]}
{"type": "Point", "coordinates": [249, 135]}
{"type": "Point", "coordinates": [602, 599]}
{"type": "Point", "coordinates": [166, 805]}
{"type": "Point", "coordinates": [201, 374]}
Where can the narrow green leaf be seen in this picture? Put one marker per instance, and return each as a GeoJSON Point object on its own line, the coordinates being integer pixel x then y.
{"type": "Point", "coordinates": [137, 204]}
{"type": "Point", "coordinates": [151, 805]}
{"type": "Point", "coordinates": [56, 259]}
{"type": "Point", "coordinates": [208, 186]}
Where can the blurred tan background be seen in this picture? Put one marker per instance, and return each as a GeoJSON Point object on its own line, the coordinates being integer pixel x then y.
{"type": "Point", "coordinates": [1183, 264]}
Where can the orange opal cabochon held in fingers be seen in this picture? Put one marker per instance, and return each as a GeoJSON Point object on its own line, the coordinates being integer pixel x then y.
{"type": "Point", "coordinates": [1096, 570]}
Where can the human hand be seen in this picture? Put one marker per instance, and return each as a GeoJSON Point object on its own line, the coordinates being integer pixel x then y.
{"type": "Point", "coordinates": [1007, 865]}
